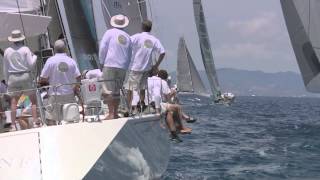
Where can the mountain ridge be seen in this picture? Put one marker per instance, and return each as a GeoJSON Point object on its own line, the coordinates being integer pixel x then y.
{"type": "Point", "coordinates": [259, 83]}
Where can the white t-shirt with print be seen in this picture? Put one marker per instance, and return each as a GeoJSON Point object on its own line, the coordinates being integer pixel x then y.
{"type": "Point", "coordinates": [60, 69]}
{"type": "Point", "coordinates": [115, 49]}
{"type": "Point", "coordinates": [18, 58]}
{"type": "Point", "coordinates": [144, 45]}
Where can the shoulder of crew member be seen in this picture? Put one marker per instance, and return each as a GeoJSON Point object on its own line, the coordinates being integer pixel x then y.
{"type": "Point", "coordinates": [7, 50]}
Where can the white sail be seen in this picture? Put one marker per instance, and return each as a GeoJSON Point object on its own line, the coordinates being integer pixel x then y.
{"type": "Point", "coordinates": [188, 78]}
{"type": "Point", "coordinates": [135, 9]}
{"type": "Point", "coordinates": [302, 19]}
{"type": "Point", "coordinates": [31, 25]}
{"type": "Point", "coordinates": [19, 5]}
{"type": "Point", "coordinates": [205, 48]}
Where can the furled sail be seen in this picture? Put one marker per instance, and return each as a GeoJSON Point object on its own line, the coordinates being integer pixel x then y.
{"type": "Point", "coordinates": [188, 78]}
{"type": "Point", "coordinates": [205, 48]}
{"type": "Point", "coordinates": [302, 19]}
{"type": "Point", "coordinates": [136, 10]}
{"type": "Point", "coordinates": [19, 5]}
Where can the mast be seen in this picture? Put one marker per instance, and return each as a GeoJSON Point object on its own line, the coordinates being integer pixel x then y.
{"type": "Point", "coordinates": [205, 47]}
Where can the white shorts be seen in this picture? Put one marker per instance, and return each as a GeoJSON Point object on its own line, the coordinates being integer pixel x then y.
{"type": "Point", "coordinates": [19, 82]}
{"type": "Point", "coordinates": [55, 104]}
{"type": "Point", "coordinates": [136, 80]}
{"type": "Point", "coordinates": [114, 78]}
{"type": "Point", "coordinates": [164, 107]}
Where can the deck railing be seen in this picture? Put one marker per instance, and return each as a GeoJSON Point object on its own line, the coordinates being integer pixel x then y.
{"type": "Point", "coordinates": [89, 108]}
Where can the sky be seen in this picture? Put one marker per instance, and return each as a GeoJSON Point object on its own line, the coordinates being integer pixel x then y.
{"type": "Point", "coordinates": [244, 34]}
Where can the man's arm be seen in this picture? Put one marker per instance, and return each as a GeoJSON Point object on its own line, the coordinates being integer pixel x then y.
{"type": "Point", "coordinates": [103, 50]}
{"type": "Point", "coordinates": [160, 49]}
{"type": "Point", "coordinates": [160, 59]}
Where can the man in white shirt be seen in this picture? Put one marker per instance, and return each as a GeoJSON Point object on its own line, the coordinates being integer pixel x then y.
{"type": "Point", "coordinates": [115, 56]}
{"type": "Point", "coordinates": [144, 46]}
{"type": "Point", "coordinates": [60, 69]}
{"type": "Point", "coordinates": [19, 62]}
{"type": "Point", "coordinates": [157, 86]}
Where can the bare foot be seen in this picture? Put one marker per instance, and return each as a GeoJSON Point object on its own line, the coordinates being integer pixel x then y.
{"type": "Point", "coordinates": [109, 117]}
{"type": "Point", "coordinates": [186, 130]}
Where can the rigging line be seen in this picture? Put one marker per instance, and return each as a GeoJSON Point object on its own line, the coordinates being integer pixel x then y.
{"type": "Point", "coordinates": [17, 1]}
{"type": "Point", "coordinates": [139, 2]}
{"type": "Point", "coordinates": [106, 8]}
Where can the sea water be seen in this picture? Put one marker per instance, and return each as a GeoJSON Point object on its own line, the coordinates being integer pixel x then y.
{"type": "Point", "coordinates": [254, 138]}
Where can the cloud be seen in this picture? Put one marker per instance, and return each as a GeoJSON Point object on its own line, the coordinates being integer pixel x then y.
{"type": "Point", "coordinates": [264, 25]}
{"type": "Point", "coordinates": [241, 50]}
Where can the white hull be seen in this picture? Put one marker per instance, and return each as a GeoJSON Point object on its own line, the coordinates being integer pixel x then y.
{"type": "Point", "coordinates": [134, 148]}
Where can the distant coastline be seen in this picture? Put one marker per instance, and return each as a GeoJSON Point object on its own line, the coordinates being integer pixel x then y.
{"type": "Point", "coordinates": [258, 83]}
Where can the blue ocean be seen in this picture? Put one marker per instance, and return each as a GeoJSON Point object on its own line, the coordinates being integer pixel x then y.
{"type": "Point", "coordinates": [254, 138]}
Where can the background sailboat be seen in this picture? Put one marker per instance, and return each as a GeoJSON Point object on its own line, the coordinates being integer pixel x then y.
{"type": "Point", "coordinates": [206, 53]}
{"type": "Point", "coordinates": [302, 19]}
{"type": "Point", "coordinates": [188, 78]}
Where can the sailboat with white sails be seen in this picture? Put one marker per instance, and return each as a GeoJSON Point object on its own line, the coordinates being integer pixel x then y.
{"type": "Point", "coordinates": [126, 148]}
{"type": "Point", "coordinates": [302, 19]}
{"type": "Point", "coordinates": [207, 56]}
{"type": "Point", "coordinates": [188, 78]}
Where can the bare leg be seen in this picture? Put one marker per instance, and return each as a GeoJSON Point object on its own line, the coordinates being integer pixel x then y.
{"type": "Point", "coordinates": [34, 109]}
{"type": "Point", "coordinates": [142, 95]}
{"type": "Point", "coordinates": [109, 101]}
{"type": "Point", "coordinates": [130, 97]}
{"type": "Point", "coordinates": [24, 123]}
{"type": "Point", "coordinates": [170, 122]}
{"type": "Point", "coordinates": [172, 127]}
{"type": "Point", "coordinates": [116, 102]}
{"type": "Point", "coordinates": [14, 111]}
{"type": "Point", "coordinates": [177, 109]}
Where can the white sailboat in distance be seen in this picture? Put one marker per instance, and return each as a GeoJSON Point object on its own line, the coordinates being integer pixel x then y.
{"type": "Point", "coordinates": [188, 78]}
{"type": "Point", "coordinates": [207, 56]}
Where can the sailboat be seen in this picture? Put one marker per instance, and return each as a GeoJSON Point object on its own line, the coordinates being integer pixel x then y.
{"type": "Point", "coordinates": [125, 148]}
{"type": "Point", "coordinates": [188, 78]}
{"type": "Point", "coordinates": [207, 57]}
{"type": "Point", "coordinates": [302, 20]}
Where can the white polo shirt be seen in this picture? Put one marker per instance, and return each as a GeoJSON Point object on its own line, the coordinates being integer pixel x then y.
{"type": "Point", "coordinates": [95, 73]}
{"type": "Point", "coordinates": [143, 46]}
{"type": "Point", "coordinates": [60, 69]}
{"type": "Point", "coordinates": [157, 88]}
{"type": "Point", "coordinates": [18, 59]}
{"type": "Point", "coordinates": [115, 49]}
